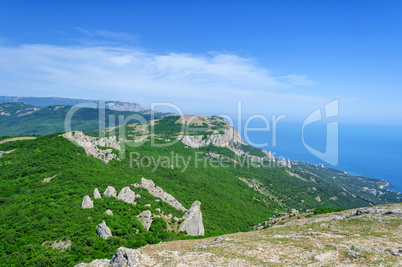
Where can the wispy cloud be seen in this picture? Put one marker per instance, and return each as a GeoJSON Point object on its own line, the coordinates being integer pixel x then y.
{"type": "Point", "coordinates": [211, 82]}
{"type": "Point", "coordinates": [106, 34]}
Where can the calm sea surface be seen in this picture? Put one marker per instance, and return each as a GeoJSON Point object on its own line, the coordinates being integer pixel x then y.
{"type": "Point", "coordinates": [370, 151]}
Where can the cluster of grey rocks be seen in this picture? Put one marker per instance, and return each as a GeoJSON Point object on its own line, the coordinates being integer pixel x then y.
{"type": "Point", "coordinates": [372, 210]}
{"type": "Point", "coordinates": [126, 195]}
{"type": "Point", "coordinates": [192, 220]}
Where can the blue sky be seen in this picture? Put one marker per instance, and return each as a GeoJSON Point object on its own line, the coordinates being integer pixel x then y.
{"type": "Point", "coordinates": [278, 57]}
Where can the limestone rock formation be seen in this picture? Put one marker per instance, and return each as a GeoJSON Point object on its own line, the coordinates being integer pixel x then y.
{"type": "Point", "coordinates": [227, 137]}
{"type": "Point", "coordinates": [103, 231]}
{"type": "Point", "coordinates": [156, 191]}
{"type": "Point", "coordinates": [109, 212]}
{"type": "Point", "coordinates": [110, 191]}
{"type": "Point", "coordinates": [145, 218]}
{"type": "Point", "coordinates": [2, 153]}
{"type": "Point", "coordinates": [288, 164]}
{"type": "Point", "coordinates": [127, 195]}
{"type": "Point", "coordinates": [318, 199]}
{"type": "Point", "coordinates": [90, 144]}
{"type": "Point", "coordinates": [46, 180]}
{"type": "Point", "coordinates": [97, 194]}
{"type": "Point", "coordinates": [268, 154]}
{"type": "Point", "coordinates": [124, 257]}
{"type": "Point", "coordinates": [95, 263]}
{"type": "Point", "coordinates": [87, 203]}
{"type": "Point", "coordinates": [284, 162]}
{"type": "Point", "coordinates": [193, 220]}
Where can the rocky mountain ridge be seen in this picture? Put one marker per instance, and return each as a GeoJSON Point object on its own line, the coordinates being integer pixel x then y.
{"type": "Point", "coordinates": [53, 101]}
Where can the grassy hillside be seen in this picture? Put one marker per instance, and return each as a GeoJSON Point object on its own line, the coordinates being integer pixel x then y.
{"type": "Point", "coordinates": [368, 239]}
{"type": "Point", "coordinates": [33, 212]}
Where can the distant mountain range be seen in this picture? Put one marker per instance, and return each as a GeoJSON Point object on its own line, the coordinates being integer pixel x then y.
{"type": "Point", "coordinates": [24, 119]}
{"type": "Point", "coordinates": [53, 101]}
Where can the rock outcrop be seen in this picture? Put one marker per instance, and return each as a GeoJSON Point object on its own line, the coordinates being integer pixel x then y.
{"type": "Point", "coordinates": [109, 212]}
{"type": "Point", "coordinates": [46, 180]}
{"type": "Point", "coordinates": [90, 144]}
{"type": "Point", "coordinates": [145, 218]}
{"type": "Point", "coordinates": [124, 257]}
{"type": "Point", "coordinates": [268, 154]}
{"type": "Point", "coordinates": [97, 194]}
{"type": "Point", "coordinates": [110, 191]}
{"type": "Point", "coordinates": [95, 263]}
{"type": "Point", "coordinates": [192, 223]}
{"type": "Point", "coordinates": [284, 162]}
{"type": "Point", "coordinates": [87, 203]}
{"type": "Point", "coordinates": [227, 136]}
{"type": "Point", "coordinates": [127, 195]}
{"type": "Point", "coordinates": [156, 191]}
{"type": "Point", "coordinates": [229, 139]}
{"type": "Point", "coordinates": [2, 153]}
{"type": "Point", "coordinates": [103, 231]}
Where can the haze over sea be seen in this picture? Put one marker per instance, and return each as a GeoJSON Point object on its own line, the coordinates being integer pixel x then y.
{"type": "Point", "coordinates": [364, 150]}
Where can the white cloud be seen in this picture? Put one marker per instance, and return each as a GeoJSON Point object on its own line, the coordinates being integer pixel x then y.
{"type": "Point", "coordinates": [106, 34]}
{"type": "Point", "coordinates": [209, 83]}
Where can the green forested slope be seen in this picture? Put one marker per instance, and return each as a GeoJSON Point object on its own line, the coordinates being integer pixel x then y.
{"type": "Point", "coordinates": [33, 212]}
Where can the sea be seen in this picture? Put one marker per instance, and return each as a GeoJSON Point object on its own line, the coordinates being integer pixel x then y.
{"type": "Point", "coordinates": [373, 151]}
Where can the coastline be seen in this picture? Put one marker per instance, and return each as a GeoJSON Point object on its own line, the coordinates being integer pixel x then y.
{"type": "Point", "coordinates": [385, 185]}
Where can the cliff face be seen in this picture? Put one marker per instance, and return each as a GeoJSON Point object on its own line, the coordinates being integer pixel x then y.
{"type": "Point", "coordinates": [219, 133]}
{"type": "Point", "coordinates": [227, 139]}
{"type": "Point", "coordinates": [51, 101]}
{"type": "Point", "coordinates": [124, 106]}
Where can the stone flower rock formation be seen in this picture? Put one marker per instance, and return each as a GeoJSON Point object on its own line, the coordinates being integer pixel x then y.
{"type": "Point", "coordinates": [145, 218]}
{"type": "Point", "coordinates": [87, 203]}
{"type": "Point", "coordinates": [127, 195]}
{"type": "Point", "coordinates": [97, 194]}
{"type": "Point", "coordinates": [110, 191]}
{"type": "Point", "coordinates": [193, 220]}
{"type": "Point", "coordinates": [156, 191]}
{"type": "Point", "coordinates": [103, 231]}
